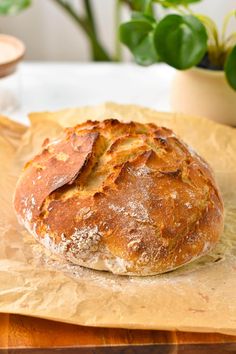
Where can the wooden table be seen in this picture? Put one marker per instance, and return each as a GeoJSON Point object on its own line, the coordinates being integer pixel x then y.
{"type": "Point", "coordinates": [21, 334]}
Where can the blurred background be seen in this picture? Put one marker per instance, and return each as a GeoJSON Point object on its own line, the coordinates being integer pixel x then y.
{"type": "Point", "coordinates": [51, 34]}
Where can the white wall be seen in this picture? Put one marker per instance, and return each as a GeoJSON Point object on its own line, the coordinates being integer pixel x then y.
{"type": "Point", "coordinates": [50, 35]}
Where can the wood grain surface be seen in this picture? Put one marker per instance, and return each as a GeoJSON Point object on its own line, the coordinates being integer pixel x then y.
{"type": "Point", "coordinates": [21, 334]}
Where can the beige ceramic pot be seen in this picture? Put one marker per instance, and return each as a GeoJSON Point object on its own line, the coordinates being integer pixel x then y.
{"type": "Point", "coordinates": [206, 93]}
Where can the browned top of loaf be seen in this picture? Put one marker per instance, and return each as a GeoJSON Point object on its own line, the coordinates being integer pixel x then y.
{"type": "Point", "coordinates": [152, 199]}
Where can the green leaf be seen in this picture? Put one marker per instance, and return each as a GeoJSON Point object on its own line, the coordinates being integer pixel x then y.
{"type": "Point", "coordinates": [136, 15]}
{"type": "Point", "coordinates": [180, 41]}
{"type": "Point", "coordinates": [13, 7]}
{"type": "Point", "coordinates": [138, 35]}
{"type": "Point", "coordinates": [230, 68]}
{"type": "Point", "coordinates": [145, 54]}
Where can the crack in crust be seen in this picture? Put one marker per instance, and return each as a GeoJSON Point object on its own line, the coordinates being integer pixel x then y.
{"type": "Point", "coordinates": [130, 198]}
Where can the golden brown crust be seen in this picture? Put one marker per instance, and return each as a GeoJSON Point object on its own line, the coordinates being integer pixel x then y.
{"type": "Point", "coordinates": [126, 197]}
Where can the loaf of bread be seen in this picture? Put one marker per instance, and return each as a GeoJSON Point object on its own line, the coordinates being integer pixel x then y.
{"type": "Point", "coordinates": [128, 198]}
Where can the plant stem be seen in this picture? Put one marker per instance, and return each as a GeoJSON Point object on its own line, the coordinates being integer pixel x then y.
{"type": "Point", "coordinates": [214, 46]}
{"type": "Point", "coordinates": [230, 41]}
{"type": "Point", "coordinates": [90, 16]}
{"type": "Point", "coordinates": [226, 22]}
{"type": "Point", "coordinates": [117, 23]}
{"type": "Point", "coordinates": [91, 26]}
{"type": "Point", "coordinates": [99, 53]}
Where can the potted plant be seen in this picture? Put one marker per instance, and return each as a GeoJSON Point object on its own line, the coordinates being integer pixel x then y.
{"type": "Point", "coordinates": [187, 40]}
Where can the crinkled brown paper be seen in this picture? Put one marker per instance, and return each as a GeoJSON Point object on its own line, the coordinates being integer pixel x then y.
{"type": "Point", "coordinates": [197, 297]}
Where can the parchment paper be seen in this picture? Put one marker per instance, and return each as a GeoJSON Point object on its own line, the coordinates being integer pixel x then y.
{"type": "Point", "coordinates": [197, 297]}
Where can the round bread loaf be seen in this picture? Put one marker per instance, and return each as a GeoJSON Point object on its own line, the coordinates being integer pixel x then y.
{"type": "Point", "coordinates": [128, 198]}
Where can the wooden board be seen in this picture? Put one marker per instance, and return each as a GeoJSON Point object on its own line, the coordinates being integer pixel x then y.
{"type": "Point", "coordinates": [21, 334]}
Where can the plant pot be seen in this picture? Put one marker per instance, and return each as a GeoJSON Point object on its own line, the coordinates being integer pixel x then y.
{"type": "Point", "coordinates": [206, 93]}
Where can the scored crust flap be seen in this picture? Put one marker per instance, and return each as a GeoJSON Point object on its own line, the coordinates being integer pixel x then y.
{"type": "Point", "coordinates": [59, 164]}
